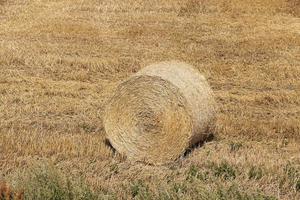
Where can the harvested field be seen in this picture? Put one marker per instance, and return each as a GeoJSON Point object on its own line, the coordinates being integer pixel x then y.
{"type": "Point", "coordinates": [60, 62]}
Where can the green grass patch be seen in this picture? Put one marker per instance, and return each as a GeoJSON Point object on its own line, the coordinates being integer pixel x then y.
{"type": "Point", "coordinates": [42, 182]}
{"type": "Point", "coordinates": [225, 171]}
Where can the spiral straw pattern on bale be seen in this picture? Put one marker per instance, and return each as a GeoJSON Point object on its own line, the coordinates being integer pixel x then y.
{"type": "Point", "coordinates": [159, 112]}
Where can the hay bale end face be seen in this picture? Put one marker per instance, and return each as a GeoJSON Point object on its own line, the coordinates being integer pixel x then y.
{"type": "Point", "coordinates": [159, 112]}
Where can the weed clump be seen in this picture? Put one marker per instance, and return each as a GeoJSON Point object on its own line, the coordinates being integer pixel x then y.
{"type": "Point", "coordinates": [139, 190]}
{"type": "Point", "coordinates": [235, 146]}
{"type": "Point", "coordinates": [194, 173]}
{"type": "Point", "coordinates": [255, 173]}
{"type": "Point", "coordinates": [298, 185]}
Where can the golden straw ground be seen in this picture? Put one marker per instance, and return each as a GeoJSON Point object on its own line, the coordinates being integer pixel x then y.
{"type": "Point", "coordinates": [158, 113]}
{"type": "Point", "coordinates": [60, 60]}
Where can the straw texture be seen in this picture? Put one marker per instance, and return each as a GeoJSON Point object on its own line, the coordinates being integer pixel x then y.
{"type": "Point", "coordinates": [156, 114]}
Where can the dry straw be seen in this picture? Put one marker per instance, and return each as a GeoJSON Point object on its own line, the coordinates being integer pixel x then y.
{"type": "Point", "coordinates": [156, 114]}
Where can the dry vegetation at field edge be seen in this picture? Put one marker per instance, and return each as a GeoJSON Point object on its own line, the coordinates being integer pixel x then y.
{"type": "Point", "coordinates": [60, 61]}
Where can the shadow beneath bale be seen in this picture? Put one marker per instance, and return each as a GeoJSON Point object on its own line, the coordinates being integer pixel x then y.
{"type": "Point", "coordinates": [199, 144]}
{"type": "Point", "coordinates": [108, 144]}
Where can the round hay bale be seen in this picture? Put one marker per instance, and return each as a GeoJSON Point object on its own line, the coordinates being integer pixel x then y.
{"type": "Point", "coordinates": [159, 112]}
